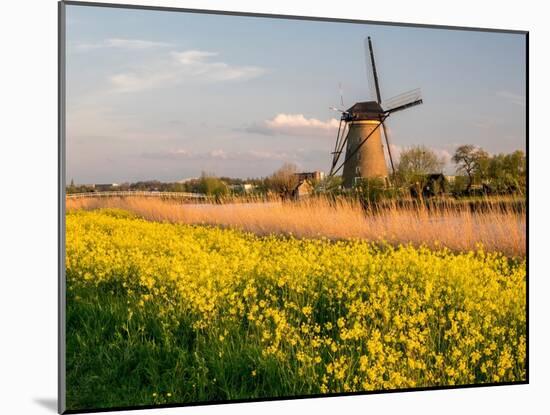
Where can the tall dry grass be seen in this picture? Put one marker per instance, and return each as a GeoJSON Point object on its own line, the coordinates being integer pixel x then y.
{"type": "Point", "coordinates": [459, 229]}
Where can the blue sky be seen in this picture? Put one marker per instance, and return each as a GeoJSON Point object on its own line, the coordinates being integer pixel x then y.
{"type": "Point", "coordinates": [166, 95]}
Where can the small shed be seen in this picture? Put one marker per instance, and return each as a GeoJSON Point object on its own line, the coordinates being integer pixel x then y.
{"type": "Point", "coordinates": [430, 185]}
{"type": "Point", "coordinates": [435, 185]}
{"type": "Point", "coordinates": [303, 189]}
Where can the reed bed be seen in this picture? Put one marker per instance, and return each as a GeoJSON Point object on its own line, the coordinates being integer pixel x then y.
{"type": "Point", "coordinates": [494, 228]}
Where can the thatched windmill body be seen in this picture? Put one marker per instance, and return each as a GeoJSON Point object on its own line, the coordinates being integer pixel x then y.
{"type": "Point", "coordinates": [360, 134]}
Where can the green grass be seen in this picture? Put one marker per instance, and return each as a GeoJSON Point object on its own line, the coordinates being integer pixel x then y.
{"type": "Point", "coordinates": [114, 360]}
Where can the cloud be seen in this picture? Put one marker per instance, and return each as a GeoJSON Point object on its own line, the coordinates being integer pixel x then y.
{"type": "Point", "coordinates": [132, 44]}
{"type": "Point", "coordinates": [196, 63]}
{"type": "Point", "coordinates": [136, 81]}
{"type": "Point", "coordinates": [219, 154]}
{"type": "Point", "coordinates": [512, 97]}
{"type": "Point", "coordinates": [179, 67]}
{"type": "Point", "coordinates": [295, 124]}
{"type": "Point", "coordinates": [190, 57]}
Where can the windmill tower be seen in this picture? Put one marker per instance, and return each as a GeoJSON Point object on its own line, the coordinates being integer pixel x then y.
{"type": "Point", "coordinates": [360, 131]}
{"type": "Point", "coordinates": [365, 160]}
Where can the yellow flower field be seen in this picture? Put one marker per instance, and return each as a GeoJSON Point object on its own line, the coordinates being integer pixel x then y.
{"type": "Point", "coordinates": [240, 316]}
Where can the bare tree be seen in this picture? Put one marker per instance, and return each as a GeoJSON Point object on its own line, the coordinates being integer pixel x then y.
{"type": "Point", "coordinates": [284, 180]}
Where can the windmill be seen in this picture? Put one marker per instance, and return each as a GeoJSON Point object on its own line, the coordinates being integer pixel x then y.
{"type": "Point", "coordinates": [359, 131]}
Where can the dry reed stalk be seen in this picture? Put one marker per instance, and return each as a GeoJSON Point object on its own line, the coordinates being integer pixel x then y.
{"type": "Point", "coordinates": [457, 228]}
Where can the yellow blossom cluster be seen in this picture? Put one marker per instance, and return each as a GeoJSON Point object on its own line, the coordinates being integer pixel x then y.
{"type": "Point", "coordinates": [338, 316]}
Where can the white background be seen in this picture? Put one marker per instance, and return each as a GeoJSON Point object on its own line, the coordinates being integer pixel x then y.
{"type": "Point", "coordinates": [28, 231]}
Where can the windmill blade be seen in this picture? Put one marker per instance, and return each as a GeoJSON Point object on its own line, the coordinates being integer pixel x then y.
{"type": "Point", "coordinates": [336, 152]}
{"type": "Point", "coordinates": [341, 94]}
{"type": "Point", "coordinates": [339, 148]}
{"type": "Point", "coordinates": [343, 138]}
{"type": "Point", "coordinates": [337, 138]}
{"type": "Point", "coordinates": [387, 137]}
{"type": "Point", "coordinates": [402, 101]}
{"type": "Point", "coordinates": [372, 75]}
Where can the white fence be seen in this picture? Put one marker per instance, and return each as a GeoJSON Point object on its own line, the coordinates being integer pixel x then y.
{"type": "Point", "coordinates": [181, 195]}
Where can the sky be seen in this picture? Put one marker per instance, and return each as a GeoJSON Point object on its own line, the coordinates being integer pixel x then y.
{"type": "Point", "coordinates": [158, 95]}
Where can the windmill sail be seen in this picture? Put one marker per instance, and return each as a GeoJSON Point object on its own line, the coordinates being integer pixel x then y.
{"type": "Point", "coordinates": [372, 75]}
{"type": "Point", "coordinates": [341, 139]}
{"type": "Point", "coordinates": [402, 101]}
{"type": "Point", "coordinates": [387, 137]}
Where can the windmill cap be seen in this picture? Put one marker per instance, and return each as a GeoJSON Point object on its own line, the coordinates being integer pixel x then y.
{"type": "Point", "coordinates": [368, 110]}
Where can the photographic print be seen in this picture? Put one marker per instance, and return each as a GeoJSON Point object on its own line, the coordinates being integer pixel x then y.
{"type": "Point", "coordinates": [267, 207]}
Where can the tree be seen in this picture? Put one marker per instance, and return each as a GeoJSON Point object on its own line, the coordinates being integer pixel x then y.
{"type": "Point", "coordinates": [507, 172]}
{"type": "Point", "coordinates": [416, 162]}
{"type": "Point", "coordinates": [71, 187]}
{"type": "Point", "coordinates": [284, 180]}
{"type": "Point", "coordinates": [211, 185]}
{"type": "Point", "coordinates": [328, 185]}
{"type": "Point", "coordinates": [372, 190]}
{"type": "Point", "coordinates": [472, 161]}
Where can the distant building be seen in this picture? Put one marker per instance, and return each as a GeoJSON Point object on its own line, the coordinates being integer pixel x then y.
{"type": "Point", "coordinates": [242, 188]}
{"type": "Point", "coordinates": [313, 175]}
{"type": "Point", "coordinates": [306, 182]}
